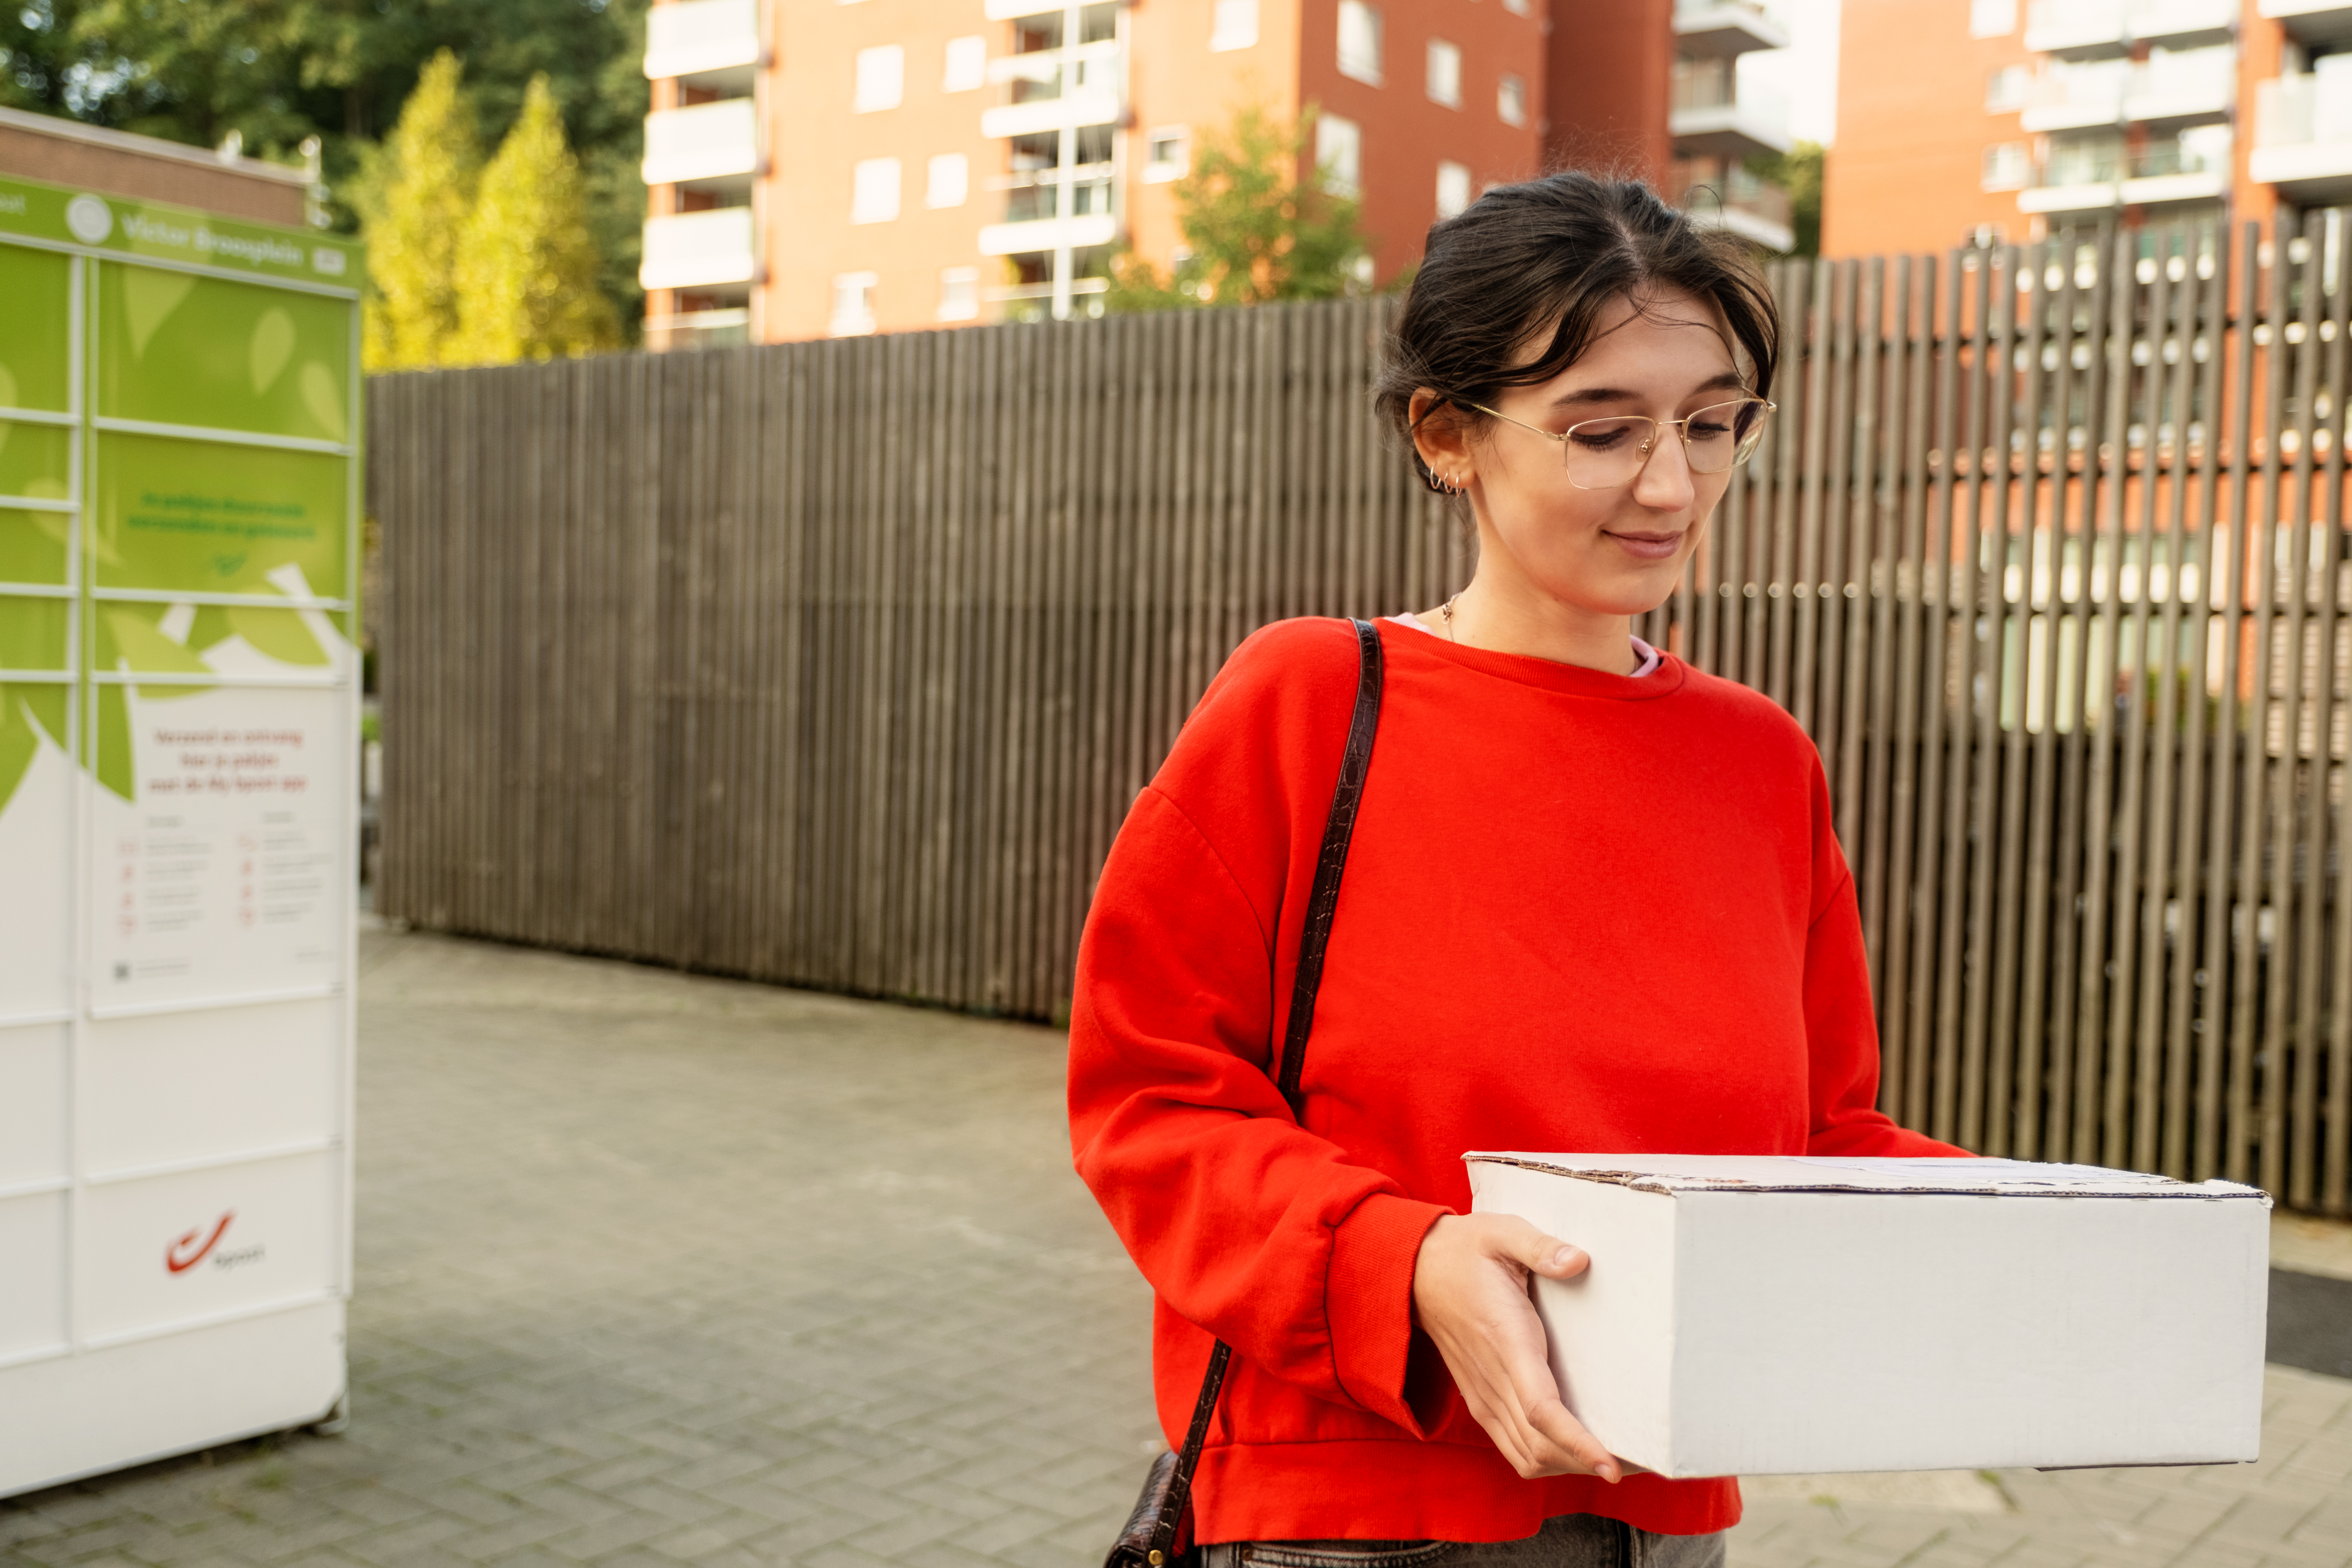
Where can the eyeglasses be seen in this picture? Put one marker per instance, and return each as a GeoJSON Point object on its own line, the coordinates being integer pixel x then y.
{"type": "Point", "coordinates": [1605, 454]}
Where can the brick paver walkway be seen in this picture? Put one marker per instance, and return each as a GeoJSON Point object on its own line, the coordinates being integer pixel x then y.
{"type": "Point", "coordinates": [657, 1270]}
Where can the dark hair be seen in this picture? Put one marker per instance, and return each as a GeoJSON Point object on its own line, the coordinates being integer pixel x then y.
{"type": "Point", "coordinates": [1558, 250]}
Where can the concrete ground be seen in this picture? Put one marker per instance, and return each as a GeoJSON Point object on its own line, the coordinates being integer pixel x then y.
{"type": "Point", "coordinates": [658, 1270]}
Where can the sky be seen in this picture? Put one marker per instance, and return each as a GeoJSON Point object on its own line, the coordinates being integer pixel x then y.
{"type": "Point", "coordinates": [1806, 71]}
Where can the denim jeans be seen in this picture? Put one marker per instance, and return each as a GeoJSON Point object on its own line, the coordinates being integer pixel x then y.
{"type": "Point", "coordinates": [1570, 1540]}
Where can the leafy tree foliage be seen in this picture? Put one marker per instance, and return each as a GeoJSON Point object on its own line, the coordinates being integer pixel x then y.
{"type": "Point", "coordinates": [417, 208]}
{"type": "Point", "coordinates": [1798, 172]}
{"type": "Point", "coordinates": [277, 71]}
{"type": "Point", "coordinates": [1258, 228]}
{"type": "Point", "coordinates": [526, 275]}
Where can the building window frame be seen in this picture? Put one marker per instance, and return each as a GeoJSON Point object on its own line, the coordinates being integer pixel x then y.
{"type": "Point", "coordinates": [1167, 154]}
{"type": "Point", "coordinates": [965, 67]}
{"type": "Point", "coordinates": [1360, 43]}
{"type": "Point", "coordinates": [875, 190]}
{"type": "Point", "coordinates": [853, 303]}
{"type": "Point", "coordinates": [1443, 76]}
{"type": "Point", "coordinates": [880, 82]}
{"type": "Point", "coordinates": [1511, 98]}
{"type": "Point", "coordinates": [1454, 196]}
{"type": "Point", "coordinates": [1339, 154]}
{"type": "Point", "coordinates": [946, 180]}
{"type": "Point", "coordinates": [959, 294]}
{"type": "Point", "coordinates": [1232, 26]}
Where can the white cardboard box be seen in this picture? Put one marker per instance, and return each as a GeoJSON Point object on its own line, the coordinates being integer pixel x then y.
{"type": "Point", "coordinates": [1770, 1316]}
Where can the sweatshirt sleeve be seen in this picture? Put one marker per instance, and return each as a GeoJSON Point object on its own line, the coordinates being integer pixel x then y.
{"type": "Point", "coordinates": [1841, 1026]}
{"type": "Point", "coordinates": [1249, 1226]}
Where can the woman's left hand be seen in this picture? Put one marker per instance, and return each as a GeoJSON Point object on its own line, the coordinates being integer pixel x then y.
{"type": "Point", "coordinates": [1470, 1296]}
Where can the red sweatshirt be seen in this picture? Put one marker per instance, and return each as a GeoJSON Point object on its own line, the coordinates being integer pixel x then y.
{"type": "Point", "coordinates": [1582, 912]}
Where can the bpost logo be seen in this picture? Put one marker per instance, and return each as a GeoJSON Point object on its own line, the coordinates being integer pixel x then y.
{"type": "Point", "coordinates": [198, 1245]}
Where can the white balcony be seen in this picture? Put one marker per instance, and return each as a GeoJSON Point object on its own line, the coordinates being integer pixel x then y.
{"type": "Point", "coordinates": [2090, 29]}
{"type": "Point", "coordinates": [2303, 137]}
{"type": "Point", "coordinates": [2074, 96]}
{"type": "Point", "coordinates": [2091, 196]}
{"type": "Point", "coordinates": [707, 43]}
{"type": "Point", "coordinates": [1714, 114]}
{"type": "Point", "coordinates": [1047, 233]}
{"type": "Point", "coordinates": [2183, 24]}
{"type": "Point", "coordinates": [2193, 166]}
{"type": "Point", "coordinates": [1053, 89]}
{"type": "Point", "coordinates": [708, 146]}
{"type": "Point", "coordinates": [2183, 87]}
{"type": "Point", "coordinates": [700, 251]}
{"type": "Point", "coordinates": [2076, 29]}
{"type": "Point", "coordinates": [2311, 21]}
{"type": "Point", "coordinates": [1713, 29]}
{"type": "Point", "coordinates": [1731, 198]}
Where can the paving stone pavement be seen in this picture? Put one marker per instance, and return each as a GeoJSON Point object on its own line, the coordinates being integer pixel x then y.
{"type": "Point", "coordinates": [656, 1269]}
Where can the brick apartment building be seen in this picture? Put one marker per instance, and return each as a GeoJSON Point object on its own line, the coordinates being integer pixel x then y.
{"type": "Point", "coordinates": [1994, 120]}
{"type": "Point", "coordinates": [825, 167]}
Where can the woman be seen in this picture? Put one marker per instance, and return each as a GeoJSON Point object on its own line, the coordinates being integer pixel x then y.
{"type": "Point", "coordinates": [1593, 903]}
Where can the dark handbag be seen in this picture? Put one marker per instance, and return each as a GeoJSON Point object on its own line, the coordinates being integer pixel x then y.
{"type": "Point", "coordinates": [1148, 1540]}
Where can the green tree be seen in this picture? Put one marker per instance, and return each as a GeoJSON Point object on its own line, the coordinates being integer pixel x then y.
{"type": "Point", "coordinates": [1798, 172]}
{"type": "Point", "coordinates": [416, 204]}
{"type": "Point", "coordinates": [526, 271]}
{"type": "Point", "coordinates": [1258, 228]}
{"type": "Point", "coordinates": [277, 71]}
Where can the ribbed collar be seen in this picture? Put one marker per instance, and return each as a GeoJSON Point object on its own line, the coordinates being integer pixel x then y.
{"type": "Point", "coordinates": [1568, 680]}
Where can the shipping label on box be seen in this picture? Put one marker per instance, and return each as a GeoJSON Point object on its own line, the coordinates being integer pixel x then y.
{"type": "Point", "coordinates": [1788, 1315]}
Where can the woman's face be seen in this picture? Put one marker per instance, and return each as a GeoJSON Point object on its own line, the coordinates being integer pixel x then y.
{"type": "Point", "coordinates": [1617, 551]}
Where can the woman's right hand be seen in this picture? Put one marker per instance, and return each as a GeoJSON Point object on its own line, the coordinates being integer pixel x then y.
{"type": "Point", "coordinates": [1470, 1296]}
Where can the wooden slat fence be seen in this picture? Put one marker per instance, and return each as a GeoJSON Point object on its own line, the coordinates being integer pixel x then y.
{"type": "Point", "coordinates": [837, 664]}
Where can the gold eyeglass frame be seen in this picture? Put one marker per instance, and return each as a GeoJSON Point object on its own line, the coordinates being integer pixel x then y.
{"type": "Point", "coordinates": [1649, 446]}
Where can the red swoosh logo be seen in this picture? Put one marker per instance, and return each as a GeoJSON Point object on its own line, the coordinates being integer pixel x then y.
{"type": "Point", "coordinates": [177, 1264]}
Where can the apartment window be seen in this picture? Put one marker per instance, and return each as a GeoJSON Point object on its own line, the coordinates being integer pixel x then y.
{"type": "Point", "coordinates": [1444, 73]}
{"type": "Point", "coordinates": [1339, 154]}
{"type": "Point", "coordinates": [873, 190]}
{"type": "Point", "coordinates": [853, 303]}
{"type": "Point", "coordinates": [960, 294]}
{"type": "Point", "coordinates": [1168, 154]}
{"type": "Point", "coordinates": [2005, 90]}
{"type": "Point", "coordinates": [1511, 99]}
{"type": "Point", "coordinates": [1992, 19]}
{"type": "Point", "coordinates": [1518, 7]}
{"type": "Point", "coordinates": [1360, 41]}
{"type": "Point", "coordinates": [967, 66]}
{"type": "Point", "coordinates": [1236, 26]}
{"type": "Point", "coordinates": [881, 79]}
{"type": "Point", "coordinates": [2007, 166]}
{"type": "Point", "coordinates": [1453, 190]}
{"type": "Point", "coordinates": [948, 181]}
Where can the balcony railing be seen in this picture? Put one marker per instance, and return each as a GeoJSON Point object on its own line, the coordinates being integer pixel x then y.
{"type": "Point", "coordinates": [699, 250]}
{"type": "Point", "coordinates": [1724, 28]}
{"type": "Point", "coordinates": [2314, 107]}
{"type": "Point", "coordinates": [2303, 135]}
{"type": "Point", "coordinates": [1047, 89]}
{"type": "Point", "coordinates": [2090, 27]}
{"type": "Point", "coordinates": [2183, 84]}
{"type": "Point", "coordinates": [1714, 114]}
{"type": "Point", "coordinates": [709, 143]}
{"type": "Point", "coordinates": [1735, 200]}
{"type": "Point", "coordinates": [703, 39]}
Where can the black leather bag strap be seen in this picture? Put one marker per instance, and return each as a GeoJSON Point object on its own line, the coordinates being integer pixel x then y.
{"type": "Point", "coordinates": [1322, 901]}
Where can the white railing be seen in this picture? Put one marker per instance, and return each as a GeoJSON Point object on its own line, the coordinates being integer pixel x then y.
{"type": "Point", "coordinates": [693, 36]}
{"type": "Point", "coordinates": [699, 250]}
{"type": "Point", "coordinates": [2314, 107]}
{"type": "Point", "coordinates": [705, 141]}
{"type": "Point", "coordinates": [2085, 92]}
{"type": "Point", "coordinates": [2185, 77]}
